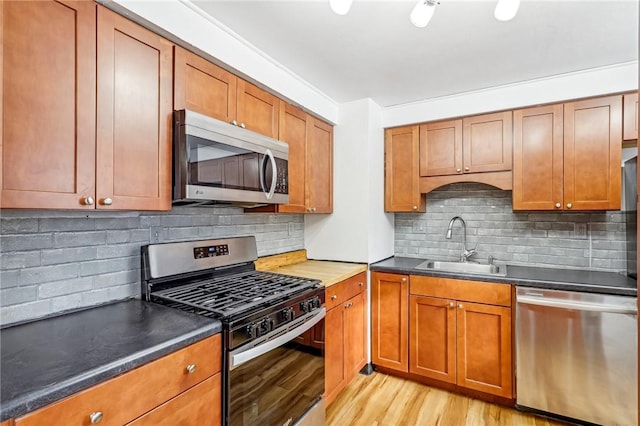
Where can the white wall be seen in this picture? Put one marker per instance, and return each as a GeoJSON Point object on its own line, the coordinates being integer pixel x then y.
{"type": "Point", "coordinates": [189, 24]}
{"type": "Point", "coordinates": [593, 82]}
{"type": "Point", "coordinates": [358, 230]}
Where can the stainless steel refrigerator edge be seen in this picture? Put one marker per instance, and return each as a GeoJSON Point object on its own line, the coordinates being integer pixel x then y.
{"type": "Point", "coordinates": [576, 355]}
{"type": "Point", "coordinates": [630, 179]}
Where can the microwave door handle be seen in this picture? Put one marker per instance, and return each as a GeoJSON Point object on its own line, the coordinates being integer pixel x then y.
{"type": "Point", "coordinates": [274, 175]}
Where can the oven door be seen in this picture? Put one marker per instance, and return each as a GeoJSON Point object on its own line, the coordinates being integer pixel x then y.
{"type": "Point", "coordinates": [277, 380]}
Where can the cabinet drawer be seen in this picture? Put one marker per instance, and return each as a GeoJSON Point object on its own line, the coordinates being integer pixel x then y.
{"type": "Point", "coordinates": [199, 405]}
{"type": "Point", "coordinates": [132, 394]}
{"type": "Point", "coordinates": [468, 291]}
{"type": "Point", "coordinates": [345, 290]}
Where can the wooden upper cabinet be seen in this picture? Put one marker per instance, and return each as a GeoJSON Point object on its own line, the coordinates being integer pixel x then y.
{"type": "Point", "coordinates": [402, 170]}
{"type": "Point", "coordinates": [487, 142]}
{"type": "Point", "coordinates": [203, 87]}
{"type": "Point", "coordinates": [441, 148]}
{"type": "Point", "coordinates": [389, 320]}
{"type": "Point", "coordinates": [592, 153]}
{"type": "Point", "coordinates": [48, 104]}
{"type": "Point", "coordinates": [630, 119]}
{"type": "Point", "coordinates": [257, 109]}
{"type": "Point", "coordinates": [319, 167]}
{"type": "Point", "coordinates": [294, 130]}
{"type": "Point", "coordinates": [538, 165]}
{"type": "Point", "coordinates": [135, 82]}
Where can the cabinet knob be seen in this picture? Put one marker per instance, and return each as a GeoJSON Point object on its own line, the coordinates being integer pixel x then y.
{"type": "Point", "coordinates": [106, 201]}
{"type": "Point", "coordinates": [460, 306]}
{"type": "Point", "coordinates": [191, 368]}
{"type": "Point", "coordinates": [569, 205]}
{"type": "Point", "coordinates": [95, 417]}
{"type": "Point", "coordinates": [243, 126]}
{"type": "Point", "coordinates": [404, 280]}
{"type": "Point", "coordinates": [451, 304]}
{"type": "Point", "coordinates": [88, 201]}
{"type": "Point", "coordinates": [234, 122]}
{"type": "Point", "coordinates": [313, 209]}
{"type": "Point", "coordinates": [558, 205]}
{"type": "Point", "coordinates": [360, 283]}
{"type": "Point", "coordinates": [415, 207]}
{"type": "Point", "coordinates": [334, 297]}
{"type": "Point", "coordinates": [466, 169]}
{"type": "Point", "coordinates": [458, 170]}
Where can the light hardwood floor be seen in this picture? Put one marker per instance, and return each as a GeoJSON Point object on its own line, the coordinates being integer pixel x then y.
{"type": "Point", "coordinates": [383, 400]}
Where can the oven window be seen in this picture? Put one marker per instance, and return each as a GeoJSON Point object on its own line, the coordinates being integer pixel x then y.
{"type": "Point", "coordinates": [221, 165]}
{"type": "Point", "coordinates": [278, 387]}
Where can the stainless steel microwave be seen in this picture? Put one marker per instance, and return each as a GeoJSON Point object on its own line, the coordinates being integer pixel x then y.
{"type": "Point", "coordinates": [217, 162]}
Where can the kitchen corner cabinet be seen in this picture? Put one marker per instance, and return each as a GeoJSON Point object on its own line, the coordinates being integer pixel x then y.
{"type": "Point", "coordinates": [402, 170]}
{"type": "Point", "coordinates": [630, 119]}
{"type": "Point", "coordinates": [476, 144]}
{"type": "Point", "coordinates": [345, 330]}
{"type": "Point", "coordinates": [567, 156]}
{"type": "Point", "coordinates": [183, 387]}
{"type": "Point", "coordinates": [204, 87]}
{"type": "Point", "coordinates": [310, 163]}
{"type": "Point", "coordinates": [461, 333]}
{"type": "Point", "coordinates": [64, 147]}
{"type": "Point", "coordinates": [390, 320]}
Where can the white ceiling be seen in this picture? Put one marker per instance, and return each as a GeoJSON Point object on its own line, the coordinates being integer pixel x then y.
{"type": "Point", "coordinates": [375, 52]}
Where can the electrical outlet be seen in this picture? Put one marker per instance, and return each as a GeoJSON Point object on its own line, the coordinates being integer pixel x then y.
{"type": "Point", "coordinates": [292, 228]}
{"type": "Point", "coordinates": [580, 230]}
{"type": "Point", "coordinates": [155, 232]}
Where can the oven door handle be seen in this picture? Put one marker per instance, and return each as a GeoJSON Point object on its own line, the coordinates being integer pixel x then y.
{"type": "Point", "coordinates": [236, 360]}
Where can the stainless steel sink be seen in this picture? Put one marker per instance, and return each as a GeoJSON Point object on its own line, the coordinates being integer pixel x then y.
{"type": "Point", "coordinates": [464, 267]}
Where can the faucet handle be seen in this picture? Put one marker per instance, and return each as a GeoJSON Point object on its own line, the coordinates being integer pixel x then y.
{"type": "Point", "coordinates": [469, 253]}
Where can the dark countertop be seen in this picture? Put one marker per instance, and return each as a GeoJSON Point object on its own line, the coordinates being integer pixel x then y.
{"type": "Point", "coordinates": [549, 278]}
{"type": "Point", "coordinates": [44, 361]}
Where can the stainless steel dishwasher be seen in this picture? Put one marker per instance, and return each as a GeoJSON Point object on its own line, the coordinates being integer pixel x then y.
{"type": "Point", "coordinates": [576, 355]}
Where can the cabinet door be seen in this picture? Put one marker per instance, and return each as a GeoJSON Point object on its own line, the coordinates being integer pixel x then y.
{"type": "Point", "coordinates": [538, 158]}
{"type": "Point", "coordinates": [48, 104]}
{"type": "Point", "coordinates": [630, 118]}
{"type": "Point", "coordinates": [389, 320]}
{"type": "Point", "coordinates": [257, 109]}
{"type": "Point", "coordinates": [592, 153]}
{"type": "Point", "coordinates": [355, 326]}
{"type": "Point", "coordinates": [402, 171]}
{"type": "Point", "coordinates": [319, 167]}
{"type": "Point", "coordinates": [484, 348]}
{"type": "Point", "coordinates": [432, 344]}
{"type": "Point", "coordinates": [487, 142]}
{"type": "Point", "coordinates": [441, 148]}
{"type": "Point", "coordinates": [203, 87]}
{"type": "Point", "coordinates": [199, 405]}
{"type": "Point", "coordinates": [294, 128]}
{"type": "Point", "coordinates": [334, 381]}
{"type": "Point", "coordinates": [133, 159]}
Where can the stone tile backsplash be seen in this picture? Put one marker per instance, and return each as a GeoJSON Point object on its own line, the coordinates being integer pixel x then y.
{"type": "Point", "coordinates": [552, 239]}
{"type": "Point", "coordinates": [54, 261]}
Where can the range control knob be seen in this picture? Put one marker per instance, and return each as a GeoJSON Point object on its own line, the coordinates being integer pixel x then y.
{"type": "Point", "coordinates": [304, 306]}
{"type": "Point", "coordinates": [288, 314]}
{"type": "Point", "coordinates": [253, 330]}
{"type": "Point", "coordinates": [266, 325]}
{"type": "Point", "coordinates": [315, 302]}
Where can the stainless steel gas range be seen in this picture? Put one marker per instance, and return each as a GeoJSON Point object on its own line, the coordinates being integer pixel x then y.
{"type": "Point", "coordinates": [270, 376]}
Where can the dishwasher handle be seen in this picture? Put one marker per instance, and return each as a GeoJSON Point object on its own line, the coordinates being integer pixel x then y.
{"type": "Point", "coordinates": [575, 305]}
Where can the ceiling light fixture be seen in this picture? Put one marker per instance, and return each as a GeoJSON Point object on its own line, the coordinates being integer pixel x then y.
{"type": "Point", "coordinates": [341, 7]}
{"type": "Point", "coordinates": [422, 12]}
{"type": "Point", "coordinates": [506, 9]}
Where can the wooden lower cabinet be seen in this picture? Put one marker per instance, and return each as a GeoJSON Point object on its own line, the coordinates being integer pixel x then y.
{"type": "Point", "coordinates": [459, 331]}
{"type": "Point", "coordinates": [389, 320]}
{"type": "Point", "coordinates": [345, 331]}
{"type": "Point", "coordinates": [157, 389]}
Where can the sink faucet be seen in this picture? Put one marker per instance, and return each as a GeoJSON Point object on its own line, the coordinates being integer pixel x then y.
{"type": "Point", "coordinates": [464, 253]}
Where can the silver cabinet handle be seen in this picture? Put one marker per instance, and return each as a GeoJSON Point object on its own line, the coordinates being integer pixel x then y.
{"type": "Point", "coordinates": [569, 205]}
{"type": "Point", "coordinates": [88, 201]}
{"type": "Point", "coordinates": [458, 170]}
{"type": "Point", "coordinates": [558, 205]}
{"type": "Point", "coordinates": [191, 368]}
{"type": "Point", "coordinates": [334, 297]}
{"type": "Point", "coordinates": [95, 417]}
{"type": "Point", "coordinates": [107, 201]}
